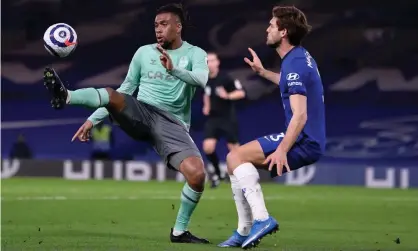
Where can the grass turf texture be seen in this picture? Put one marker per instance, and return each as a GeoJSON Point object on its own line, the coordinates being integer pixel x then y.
{"type": "Point", "coordinates": [54, 214]}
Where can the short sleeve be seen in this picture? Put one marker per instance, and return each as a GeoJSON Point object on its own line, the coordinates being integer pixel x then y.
{"type": "Point", "coordinates": [232, 84]}
{"type": "Point", "coordinates": [208, 91]}
{"type": "Point", "coordinates": [236, 84]}
{"type": "Point", "coordinates": [297, 78]}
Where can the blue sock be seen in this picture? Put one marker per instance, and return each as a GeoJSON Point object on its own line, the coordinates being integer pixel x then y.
{"type": "Point", "coordinates": [89, 97]}
{"type": "Point", "coordinates": [189, 199]}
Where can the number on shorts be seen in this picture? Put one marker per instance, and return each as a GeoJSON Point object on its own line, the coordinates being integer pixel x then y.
{"type": "Point", "coordinates": [274, 137]}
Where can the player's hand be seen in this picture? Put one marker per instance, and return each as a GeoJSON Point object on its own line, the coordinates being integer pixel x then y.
{"type": "Point", "coordinates": [222, 92]}
{"type": "Point", "coordinates": [255, 64]}
{"type": "Point", "coordinates": [278, 158]}
{"type": "Point", "coordinates": [165, 58]}
{"type": "Point", "coordinates": [206, 110]}
{"type": "Point", "coordinates": [83, 133]}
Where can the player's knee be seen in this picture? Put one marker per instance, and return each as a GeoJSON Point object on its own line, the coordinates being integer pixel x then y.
{"type": "Point", "coordinates": [209, 145]}
{"type": "Point", "coordinates": [198, 176]}
{"type": "Point", "coordinates": [208, 149]}
{"type": "Point", "coordinates": [110, 91]}
{"type": "Point", "coordinates": [194, 172]}
{"type": "Point", "coordinates": [116, 99]}
{"type": "Point", "coordinates": [232, 146]}
{"type": "Point", "coordinates": [197, 180]}
{"type": "Point", "coordinates": [233, 159]}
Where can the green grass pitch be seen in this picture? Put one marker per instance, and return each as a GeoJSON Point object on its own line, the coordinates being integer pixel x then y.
{"type": "Point", "coordinates": [54, 214]}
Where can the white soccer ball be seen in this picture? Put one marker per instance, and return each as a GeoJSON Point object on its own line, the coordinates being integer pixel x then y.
{"type": "Point", "coordinates": [60, 40]}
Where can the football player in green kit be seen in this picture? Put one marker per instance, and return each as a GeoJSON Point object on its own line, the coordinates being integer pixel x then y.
{"type": "Point", "coordinates": [166, 74]}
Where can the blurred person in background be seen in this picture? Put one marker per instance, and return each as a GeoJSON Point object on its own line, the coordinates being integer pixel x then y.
{"type": "Point", "coordinates": [20, 149]}
{"type": "Point", "coordinates": [221, 92]}
{"type": "Point", "coordinates": [102, 139]}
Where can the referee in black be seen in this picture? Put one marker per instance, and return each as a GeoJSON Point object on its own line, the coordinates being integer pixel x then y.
{"type": "Point", "coordinates": [218, 105]}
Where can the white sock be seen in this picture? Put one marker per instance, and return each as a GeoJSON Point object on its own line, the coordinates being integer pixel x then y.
{"type": "Point", "coordinates": [248, 177]}
{"type": "Point", "coordinates": [68, 97]}
{"type": "Point", "coordinates": [245, 216]}
{"type": "Point", "coordinates": [177, 232]}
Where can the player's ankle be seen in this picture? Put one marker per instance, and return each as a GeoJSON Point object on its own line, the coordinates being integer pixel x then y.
{"type": "Point", "coordinates": [244, 230]}
{"type": "Point", "coordinates": [177, 232]}
{"type": "Point", "coordinates": [261, 216]}
{"type": "Point", "coordinates": [67, 101]}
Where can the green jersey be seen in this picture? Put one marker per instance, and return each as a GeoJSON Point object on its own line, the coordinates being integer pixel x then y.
{"type": "Point", "coordinates": [171, 91]}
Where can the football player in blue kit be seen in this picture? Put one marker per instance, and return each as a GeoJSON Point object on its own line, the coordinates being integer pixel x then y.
{"type": "Point", "coordinates": [301, 144]}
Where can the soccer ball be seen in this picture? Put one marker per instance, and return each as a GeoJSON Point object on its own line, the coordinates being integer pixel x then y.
{"type": "Point", "coordinates": [60, 40]}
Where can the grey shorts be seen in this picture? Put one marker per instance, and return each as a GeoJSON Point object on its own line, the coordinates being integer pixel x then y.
{"type": "Point", "coordinates": [168, 135]}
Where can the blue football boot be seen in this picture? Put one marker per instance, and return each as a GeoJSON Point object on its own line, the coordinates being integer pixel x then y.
{"type": "Point", "coordinates": [235, 240]}
{"type": "Point", "coordinates": [259, 230]}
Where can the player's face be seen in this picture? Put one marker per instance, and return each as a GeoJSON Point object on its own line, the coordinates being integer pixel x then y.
{"type": "Point", "coordinates": [167, 28]}
{"type": "Point", "coordinates": [274, 36]}
{"type": "Point", "coordinates": [213, 62]}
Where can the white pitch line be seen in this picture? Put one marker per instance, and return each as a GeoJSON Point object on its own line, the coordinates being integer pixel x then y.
{"type": "Point", "coordinates": [39, 123]}
{"type": "Point", "coordinates": [176, 197]}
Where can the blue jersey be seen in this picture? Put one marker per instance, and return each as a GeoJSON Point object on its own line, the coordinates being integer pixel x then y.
{"type": "Point", "coordinates": [300, 75]}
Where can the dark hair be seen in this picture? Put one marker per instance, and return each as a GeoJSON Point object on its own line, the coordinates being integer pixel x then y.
{"type": "Point", "coordinates": [176, 9]}
{"type": "Point", "coordinates": [294, 21]}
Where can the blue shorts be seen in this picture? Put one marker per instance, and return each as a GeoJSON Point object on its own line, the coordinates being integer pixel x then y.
{"type": "Point", "coordinates": [303, 153]}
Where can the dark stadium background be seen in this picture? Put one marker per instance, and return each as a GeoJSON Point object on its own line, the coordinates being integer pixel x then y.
{"type": "Point", "coordinates": [367, 52]}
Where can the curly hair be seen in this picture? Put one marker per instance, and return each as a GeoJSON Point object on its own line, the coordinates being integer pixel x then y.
{"type": "Point", "coordinates": [176, 9]}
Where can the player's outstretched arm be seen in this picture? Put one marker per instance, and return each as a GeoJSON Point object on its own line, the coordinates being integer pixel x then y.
{"type": "Point", "coordinates": [199, 74]}
{"type": "Point", "coordinates": [258, 67]}
{"type": "Point", "coordinates": [98, 116]}
{"type": "Point", "coordinates": [133, 76]}
{"type": "Point", "coordinates": [270, 75]}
